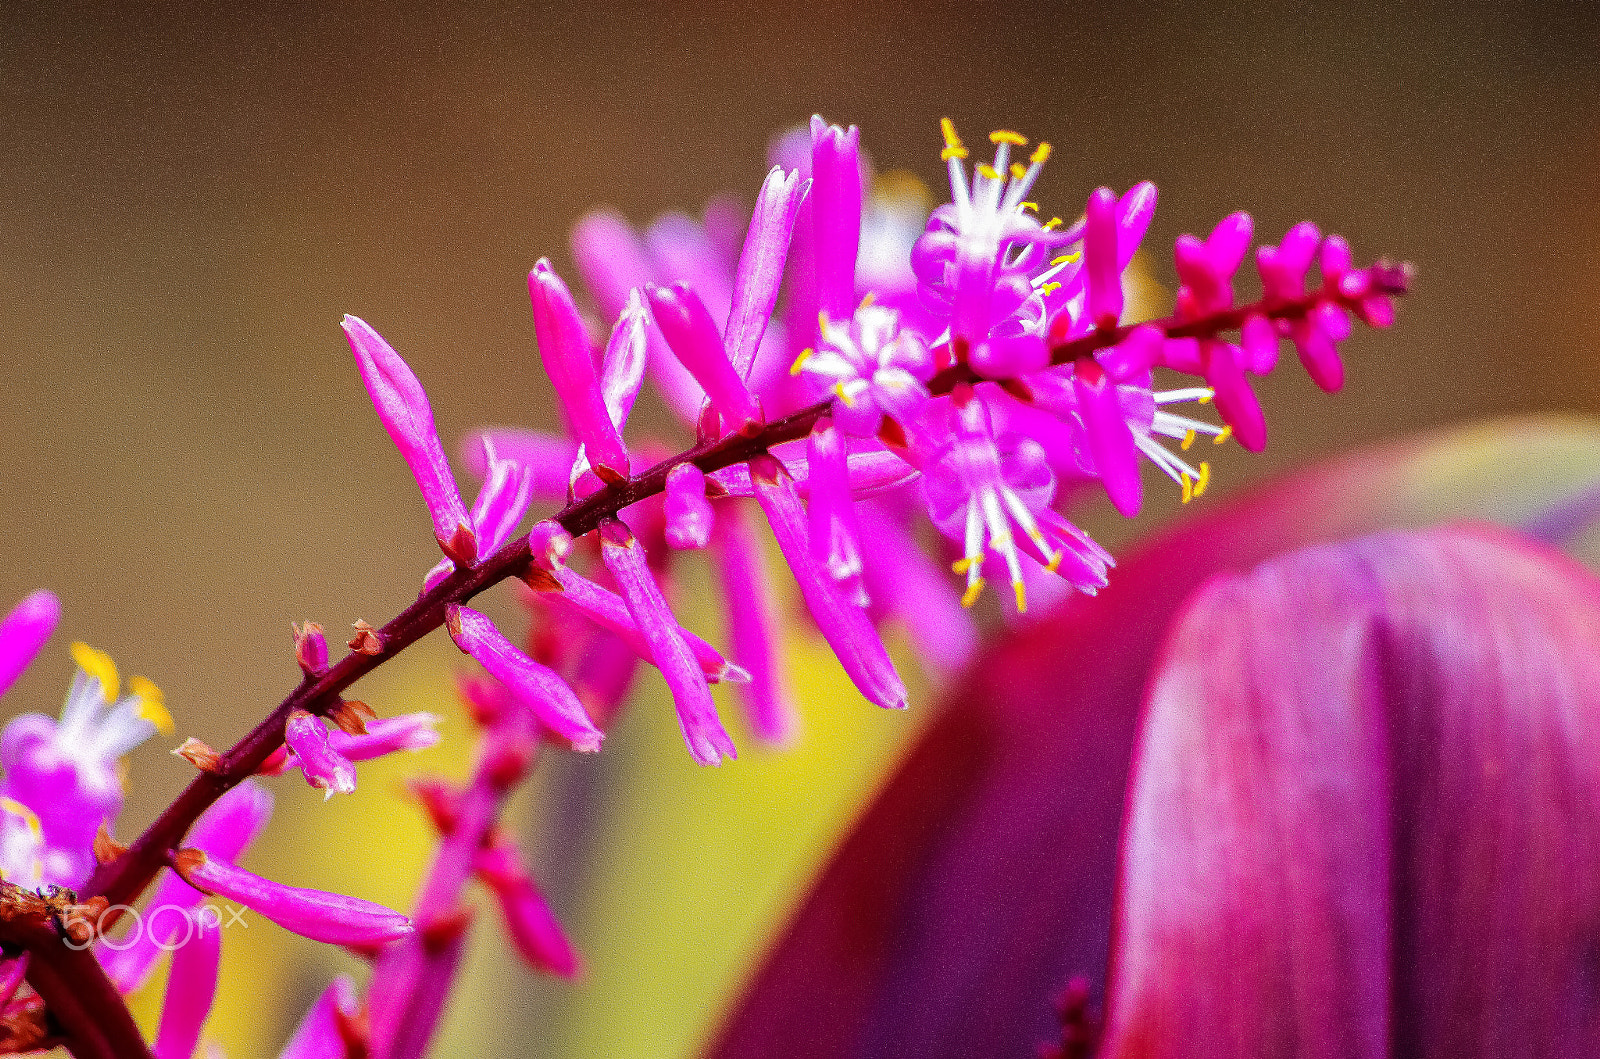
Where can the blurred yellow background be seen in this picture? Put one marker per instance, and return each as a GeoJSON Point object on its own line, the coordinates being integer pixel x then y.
{"type": "Point", "coordinates": [190, 198]}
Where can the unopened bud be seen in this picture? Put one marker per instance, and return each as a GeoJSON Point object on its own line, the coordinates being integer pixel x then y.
{"type": "Point", "coordinates": [199, 755]}
{"type": "Point", "coordinates": [310, 648]}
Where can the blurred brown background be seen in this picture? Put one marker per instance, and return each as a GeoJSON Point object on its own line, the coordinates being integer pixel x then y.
{"type": "Point", "coordinates": [189, 200]}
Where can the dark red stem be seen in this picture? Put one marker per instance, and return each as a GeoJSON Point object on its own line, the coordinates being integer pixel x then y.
{"type": "Point", "coordinates": [82, 1001]}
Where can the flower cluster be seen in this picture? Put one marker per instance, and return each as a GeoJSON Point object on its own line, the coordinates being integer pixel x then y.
{"type": "Point", "coordinates": [850, 369]}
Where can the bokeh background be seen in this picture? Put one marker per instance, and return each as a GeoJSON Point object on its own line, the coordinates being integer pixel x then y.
{"type": "Point", "coordinates": [190, 199]}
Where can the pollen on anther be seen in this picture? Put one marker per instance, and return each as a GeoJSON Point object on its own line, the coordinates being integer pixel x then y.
{"type": "Point", "coordinates": [1188, 487]}
{"type": "Point", "coordinates": [838, 388]}
{"type": "Point", "coordinates": [974, 590]}
{"type": "Point", "coordinates": [1205, 479]}
{"type": "Point", "coordinates": [1188, 439]}
{"type": "Point", "coordinates": [1227, 432]}
{"type": "Point", "coordinates": [1018, 170]}
{"type": "Point", "coordinates": [800, 361]}
{"type": "Point", "coordinates": [1015, 139]}
{"type": "Point", "coordinates": [1052, 224]}
{"type": "Point", "coordinates": [987, 171]}
{"type": "Point", "coordinates": [1022, 596]}
{"type": "Point", "coordinates": [1040, 153]}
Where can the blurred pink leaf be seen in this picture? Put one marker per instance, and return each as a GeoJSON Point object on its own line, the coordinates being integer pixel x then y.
{"type": "Point", "coordinates": [981, 880]}
{"type": "Point", "coordinates": [1363, 814]}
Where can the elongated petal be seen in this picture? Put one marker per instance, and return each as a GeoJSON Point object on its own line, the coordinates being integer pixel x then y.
{"type": "Point", "coordinates": [689, 517]}
{"type": "Point", "coordinates": [24, 632]}
{"type": "Point", "coordinates": [225, 830]}
{"type": "Point", "coordinates": [754, 628]}
{"type": "Point", "coordinates": [627, 354]}
{"type": "Point", "coordinates": [872, 472]}
{"type": "Point", "coordinates": [605, 608]}
{"type": "Point", "coordinates": [833, 530]}
{"type": "Point", "coordinates": [564, 351]}
{"type": "Point", "coordinates": [766, 246]}
{"type": "Point", "coordinates": [1111, 444]}
{"type": "Point", "coordinates": [324, 767]}
{"type": "Point", "coordinates": [697, 715]}
{"type": "Point", "coordinates": [532, 926]}
{"type": "Point", "coordinates": [388, 735]}
{"type": "Point", "coordinates": [1100, 259]}
{"type": "Point", "coordinates": [320, 1034]}
{"type": "Point", "coordinates": [536, 686]}
{"type": "Point", "coordinates": [981, 879]}
{"type": "Point", "coordinates": [545, 457]}
{"type": "Point", "coordinates": [1366, 770]}
{"type": "Point", "coordinates": [507, 491]}
{"type": "Point", "coordinates": [191, 987]}
{"type": "Point", "coordinates": [835, 215]}
{"type": "Point", "coordinates": [1236, 401]}
{"type": "Point", "coordinates": [331, 918]}
{"type": "Point", "coordinates": [845, 626]}
{"type": "Point", "coordinates": [695, 341]}
{"type": "Point", "coordinates": [404, 410]}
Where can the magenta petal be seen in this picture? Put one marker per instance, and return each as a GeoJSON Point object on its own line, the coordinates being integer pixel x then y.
{"type": "Point", "coordinates": [1100, 259]}
{"type": "Point", "coordinates": [324, 767]}
{"type": "Point", "coordinates": [388, 735]}
{"type": "Point", "coordinates": [766, 246]}
{"type": "Point", "coordinates": [24, 632]}
{"type": "Point", "coordinates": [507, 491]}
{"type": "Point", "coordinates": [532, 926]}
{"type": "Point", "coordinates": [754, 628]}
{"type": "Point", "coordinates": [627, 355]}
{"type": "Point", "coordinates": [569, 362]}
{"type": "Point", "coordinates": [697, 715]}
{"type": "Point", "coordinates": [1259, 340]}
{"type": "Point", "coordinates": [330, 918]}
{"type": "Point", "coordinates": [845, 626]}
{"type": "Point", "coordinates": [191, 987]}
{"type": "Point", "coordinates": [319, 1035]}
{"type": "Point", "coordinates": [1111, 444]}
{"type": "Point", "coordinates": [581, 597]}
{"type": "Point", "coordinates": [689, 517]}
{"type": "Point", "coordinates": [835, 215]}
{"type": "Point", "coordinates": [832, 528]}
{"type": "Point", "coordinates": [1360, 811]}
{"type": "Point", "coordinates": [611, 258]}
{"type": "Point", "coordinates": [546, 457]}
{"type": "Point", "coordinates": [405, 413]}
{"type": "Point", "coordinates": [1236, 401]}
{"type": "Point", "coordinates": [536, 686]}
{"type": "Point", "coordinates": [696, 342]}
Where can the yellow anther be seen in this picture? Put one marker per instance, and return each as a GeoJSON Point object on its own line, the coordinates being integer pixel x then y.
{"type": "Point", "coordinates": [1022, 596]}
{"type": "Point", "coordinates": [987, 170]}
{"type": "Point", "coordinates": [800, 361]}
{"type": "Point", "coordinates": [1034, 206]}
{"type": "Point", "coordinates": [838, 388]}
{"type": "Point", "coordinates": [23, 813]}
{"type": "Point", "coordinates": [99, 665]}
{"type": "Point", "coordinates": [870, 297]}
{"type": "Point", "coordinates": [1052, 224]}
{"type": "Point", "coordinates": [974, 590]}
{"type": "Point", "coordinates": [1018, 170]}
{"type": "Point", "coordinates": [1227, 432]}
{"type": "Point", "coordinates": [1188, 488]}
{"type": "Point", "coordinates": [1040, 153]}
{"type": "Point", "coordinates": [1065, 259]}
{"type": "Point", "coordinates": [152, 704]}
{"type": "Point", "coordinates": [1049, 288]}
{"type": "Point", "coordinates": [952, 142]}
{"type": "Point", "coordinates": [961, 566]}
{"type": "Point", "coordinates": [1205, 479]}
{"type": "Point", "coordinates": [1015, 139]}
{"type": "Point", "coordinates": [1188, 439]}
{"type": "Point", "coordinates": [1206, 399]}
{"type": "Point", "coordinates": [1055, 562]}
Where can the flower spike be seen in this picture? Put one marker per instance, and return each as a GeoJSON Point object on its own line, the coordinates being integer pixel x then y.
{"type": "Point", "coordinates": [404, 410]}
